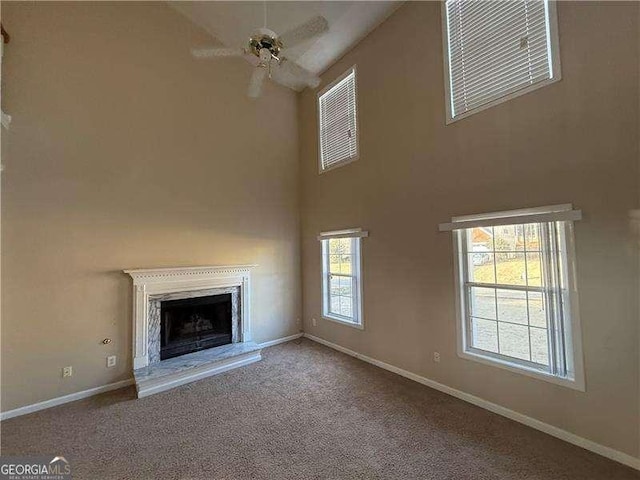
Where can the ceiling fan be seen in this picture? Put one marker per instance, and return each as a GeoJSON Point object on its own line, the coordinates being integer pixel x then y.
{"type": "Point", "coordinates": [264, 52]}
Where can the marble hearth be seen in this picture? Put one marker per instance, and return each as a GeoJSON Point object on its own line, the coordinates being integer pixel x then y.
{"type": "Point", "coordinates": [153, 286]}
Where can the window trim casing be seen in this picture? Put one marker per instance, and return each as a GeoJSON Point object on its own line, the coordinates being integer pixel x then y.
{"type": "Point", "coordinates": [575, 357]}
{"type": "Point", "coordinates": [328, 87]}
{"type": "Point", "coordinates": [554, 51]}
{"type": "Point", "coordinates": [355, 234]}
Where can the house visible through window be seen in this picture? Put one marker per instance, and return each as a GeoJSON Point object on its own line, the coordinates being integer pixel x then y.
{"type": "Point", "coordinates": [517, 291]}
{"type": "Point", "coordinates": [496, 51]}
{"type": "Point", "coordinates": [341, 276]}
{"type": "Point", "coordinates": [337, 118]}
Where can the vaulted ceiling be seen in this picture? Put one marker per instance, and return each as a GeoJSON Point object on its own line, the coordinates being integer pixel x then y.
{"type": "Point", "coordinates": [231, 23]}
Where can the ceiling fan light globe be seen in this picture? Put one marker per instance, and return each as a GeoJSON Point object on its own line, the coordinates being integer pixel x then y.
{"type": "Point", "coordinates": [265, 55]}
{"type": "Point", "coordinates": [268, 41]}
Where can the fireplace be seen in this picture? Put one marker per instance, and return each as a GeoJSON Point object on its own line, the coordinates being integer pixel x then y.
{"type": "Point", "coordinates": [193, 324]}
{"type": "Point", "coordinates": [157, 286]}
{"type": "Point", "coordinates": [190, 323]}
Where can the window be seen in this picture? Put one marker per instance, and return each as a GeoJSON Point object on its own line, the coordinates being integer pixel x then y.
{"type": "Point", "coordinates": [338, 122]}
{"type": "Point", "coordinates": [495, 51]}
{"type": "Point", "coordinates": [517, 292]}
{"type": "Point", "coordinates": [341, 276]}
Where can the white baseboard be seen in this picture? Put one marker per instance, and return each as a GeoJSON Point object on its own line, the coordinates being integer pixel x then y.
{"type": "Point", "coordinates": [277, 341]}
{"type": "Point", "coordinates": [72, 397]}
{"type": "Point", "coordinates": [105, 388]}
{"type": "Point", "coordinates": [608, 452]}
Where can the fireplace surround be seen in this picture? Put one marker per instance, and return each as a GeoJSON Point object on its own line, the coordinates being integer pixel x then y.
{"type": "Point", "coordinates": [210, 306]}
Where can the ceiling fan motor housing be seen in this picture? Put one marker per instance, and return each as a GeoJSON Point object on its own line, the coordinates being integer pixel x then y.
{"type": "Point", "coordinates": [265, 39]}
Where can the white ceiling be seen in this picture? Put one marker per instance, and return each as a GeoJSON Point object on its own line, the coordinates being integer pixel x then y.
{"type": "Point", "coordinates": [233, 22]}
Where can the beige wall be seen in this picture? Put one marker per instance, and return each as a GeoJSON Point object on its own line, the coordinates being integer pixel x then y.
{"type": "Point", "coordinates": [574, 141]}
{"type": "Point", "coordinates": [125, 152]}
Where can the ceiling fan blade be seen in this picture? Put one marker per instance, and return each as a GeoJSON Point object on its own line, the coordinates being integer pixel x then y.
{"type": "Point", "coordinates": [311, 28]}
{"type": "Point", "coordinates": [217, 52]}
{"type": "Point", "coordinates": [292, 75]}
{"type": "Point", "coordinates": [256, 82]}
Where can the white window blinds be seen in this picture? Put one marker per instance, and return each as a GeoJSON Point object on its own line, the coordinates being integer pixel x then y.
{"type": "Point", "coordinates": [338, 124]}
{"type": "Point", "coordinates": [496, 49]}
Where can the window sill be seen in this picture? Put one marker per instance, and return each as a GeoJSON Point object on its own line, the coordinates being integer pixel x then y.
{"type": "Point", "coordinates": [359, 326]}
{"type": "Point", "coordinates": [340, 163]}
{"type": "Point", "coordinates": [577, 384]}
{"type": "Point", "coordinates": [526, 89]}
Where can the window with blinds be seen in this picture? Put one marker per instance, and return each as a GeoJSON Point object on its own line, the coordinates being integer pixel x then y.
{"type": "Point", "coordinates": [496, 51]}
{"type": "Point", "coordinates": [338, 122]}
{"type": "Point", "coordinates": [517, 292]}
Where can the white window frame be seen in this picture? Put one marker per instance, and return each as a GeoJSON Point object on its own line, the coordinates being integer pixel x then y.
{"type": "Point", "coordinates": [554, 55]}
{"type": "Point", "coordinates": [325, 90]}
{"type": "Point", "coordinates": [355, 235]}
{"type": "Point", "coordinates": [564, 215]}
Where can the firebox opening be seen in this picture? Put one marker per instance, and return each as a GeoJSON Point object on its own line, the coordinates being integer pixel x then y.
{"type": "Point", "coordinates": [193, 324]}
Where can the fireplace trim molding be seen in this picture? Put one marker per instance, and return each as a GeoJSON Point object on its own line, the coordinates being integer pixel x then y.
{"type": "Point", "coordinates": [156, 281]}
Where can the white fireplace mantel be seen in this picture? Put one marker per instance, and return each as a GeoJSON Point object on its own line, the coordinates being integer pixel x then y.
{"type": "Point", "coordinates": [156, 281]}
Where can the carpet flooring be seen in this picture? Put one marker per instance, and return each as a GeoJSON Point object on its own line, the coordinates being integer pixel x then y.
{"type": "Point", "coordinates": [303, 412]}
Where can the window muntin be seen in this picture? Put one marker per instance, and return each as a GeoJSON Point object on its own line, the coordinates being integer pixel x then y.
{"type": "Point", "coordinates": [495, 51]}
{"type": "Point", "coordinates": [337, 119]}
{"type": "Point", "coordinates": [508, 308]}
{"type": "Point", "coordinates": [518, 299]}
{"type": "Point", "coordinates": [341, 287]}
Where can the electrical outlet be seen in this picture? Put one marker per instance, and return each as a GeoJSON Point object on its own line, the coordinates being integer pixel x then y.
{"type": "Point", "coordinates": [436, 357]}
{"type": "Point", "coordinates": [67, 372]}
{"type": "Point", "coordinates": [111, 361]}
{"type": "Point", "coordinates": [313, 322]}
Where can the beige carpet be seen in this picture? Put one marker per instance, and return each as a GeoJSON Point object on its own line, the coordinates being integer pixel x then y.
{"type": "Point", "coordinates": [304, 412]}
